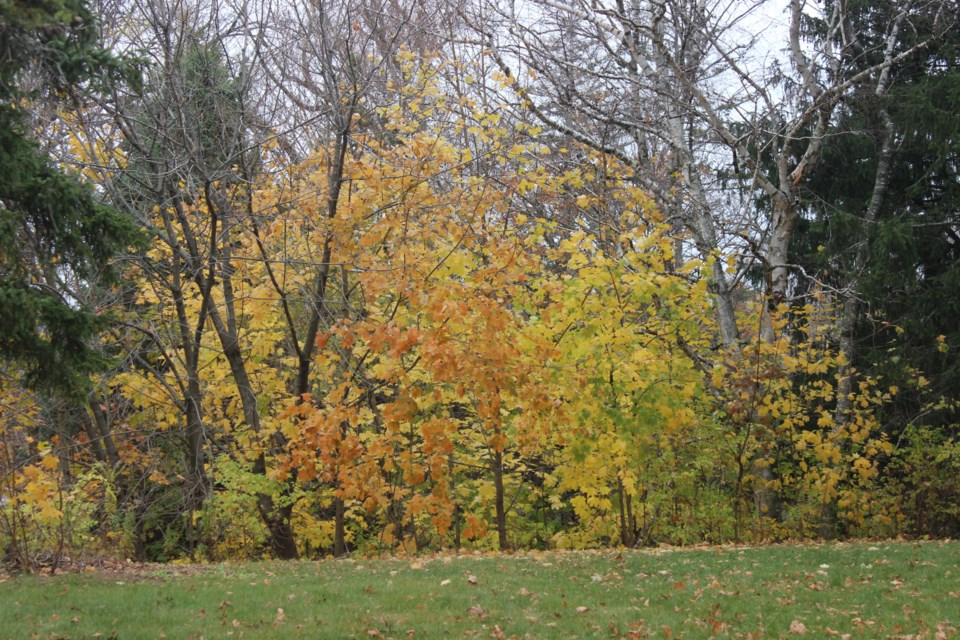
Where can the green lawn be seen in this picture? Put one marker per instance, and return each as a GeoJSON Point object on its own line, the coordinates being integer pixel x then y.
{"type": "Point", "coordinates": [867, 590]}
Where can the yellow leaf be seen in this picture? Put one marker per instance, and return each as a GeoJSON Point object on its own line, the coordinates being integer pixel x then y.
{"type": "Point", "coordinates": [486, 492]}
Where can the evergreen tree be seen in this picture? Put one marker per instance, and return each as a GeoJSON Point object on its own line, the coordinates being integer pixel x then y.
{"type": "Point", "coordinates": [51, 226]}
{"type": "Point", "coordinates": [901, 265]}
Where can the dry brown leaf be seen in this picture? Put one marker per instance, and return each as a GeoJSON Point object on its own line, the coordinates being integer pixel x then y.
{"type": "Point", "coordinates": [798, 627]}
{"type": "Point", "coordinates": [582, 609]}
{"type": "Point", "coordinates": [472, 579]}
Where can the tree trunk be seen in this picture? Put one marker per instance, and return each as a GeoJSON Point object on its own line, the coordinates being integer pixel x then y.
{"type": "Point", "coordinates": [282, 540]}
{"type": "Point", "coordinates": [851, 305]}
{"type": "Point", "coordinates": [339, 530]}
{"type": "Point", "coordinates": [196, 485]}
{"type": "Point", "coordinates": [499, 501]}
{"type": "Point", "coordinates": [276, 518]}
{"type": "Point", "coordinates": [626, 518]}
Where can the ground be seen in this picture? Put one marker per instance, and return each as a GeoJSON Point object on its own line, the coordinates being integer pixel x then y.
{"type": "Point", "coordinates": [843, 590]}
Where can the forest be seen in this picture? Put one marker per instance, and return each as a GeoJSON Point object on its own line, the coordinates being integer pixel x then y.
{"type": "Point", "coordinates": [307, 278]}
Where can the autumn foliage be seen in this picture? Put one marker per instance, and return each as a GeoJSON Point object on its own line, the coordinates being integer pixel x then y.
{"type": "Point", "coordinates": [456, 331]}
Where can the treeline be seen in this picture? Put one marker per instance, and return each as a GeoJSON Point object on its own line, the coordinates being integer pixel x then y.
{"type": "Point", "coordinates": [362, 277]}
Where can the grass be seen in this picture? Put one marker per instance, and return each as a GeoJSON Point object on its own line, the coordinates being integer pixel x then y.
{"type": "Point", "coordinates": [867, 590]}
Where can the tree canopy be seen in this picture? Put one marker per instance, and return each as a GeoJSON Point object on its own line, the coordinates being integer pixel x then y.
{"type": "Point", "coordinates": [452, 275]}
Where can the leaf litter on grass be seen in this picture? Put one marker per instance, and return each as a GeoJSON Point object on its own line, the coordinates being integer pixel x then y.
{"type": "Point", "coordinates": [899, 590]}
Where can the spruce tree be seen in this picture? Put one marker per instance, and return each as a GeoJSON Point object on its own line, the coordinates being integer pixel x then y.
{"type": "Point", "coordinates": [52, 227]}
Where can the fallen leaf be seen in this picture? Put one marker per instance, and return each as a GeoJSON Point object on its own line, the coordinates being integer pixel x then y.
{"type": "Point", "coordinates": [477, 610]}
{"type": "Point", "coordinates": [281, 615]}
{"type": "Point", "coordinates": [444, 583]}
{"type": "Point", "coordinates": [798, 627]}
{"type": "Point", "coordinates": [523, 592]}
{"type": "Point", "coordinates": [582, 609]}
{"type": "Point", "coordinates": [472, 579]}
{"type": "Point", "coordinates": [373, 633]}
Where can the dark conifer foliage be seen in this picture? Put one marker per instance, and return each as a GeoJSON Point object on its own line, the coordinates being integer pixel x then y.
{"type": "Point", "coordinates": [52, 227]}
{"type": "Point", "coordinates": [907, 276]}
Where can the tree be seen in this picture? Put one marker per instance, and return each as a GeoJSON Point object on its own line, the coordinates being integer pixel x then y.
{"type": "Point", "coordinates": [525, 290]}
{"type": "Point", "coordinates": [723, 144]}
{"type": "Point", "coordinates": [881, 232]}
{"type": "Point", "coordinates": [332, 64]}
{"type": "Point", "coordinates": [54, 231]}
{"type": "Point", "coordinates": [878, 220]}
